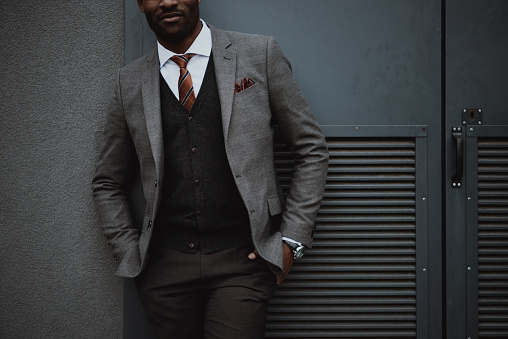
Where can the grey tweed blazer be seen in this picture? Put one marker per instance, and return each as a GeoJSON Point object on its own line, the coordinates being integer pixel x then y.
{"type": "Point", "coordinates": [133, 139]}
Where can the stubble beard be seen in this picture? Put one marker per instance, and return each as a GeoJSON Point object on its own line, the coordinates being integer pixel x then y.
{"type": "Point", "coordinates": [171, 34]}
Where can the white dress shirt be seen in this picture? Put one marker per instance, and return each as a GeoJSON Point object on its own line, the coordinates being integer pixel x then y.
{"type": "Point", "coordinates": [170, 71]}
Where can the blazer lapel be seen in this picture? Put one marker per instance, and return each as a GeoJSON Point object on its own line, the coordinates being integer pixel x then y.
{"type": "Point", "coordinates": [152, 107]}
{"type": "Point", "coordinates": [224, 58]}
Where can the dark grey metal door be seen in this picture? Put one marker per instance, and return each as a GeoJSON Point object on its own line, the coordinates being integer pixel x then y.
{"type": "Point", "coordinates": [399, 251]}
{"type": "Point", "coordinates": [476, 218]}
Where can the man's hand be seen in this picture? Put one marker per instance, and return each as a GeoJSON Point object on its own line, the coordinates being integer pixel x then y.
{"type": "Point", "coordinates": [287, 262]}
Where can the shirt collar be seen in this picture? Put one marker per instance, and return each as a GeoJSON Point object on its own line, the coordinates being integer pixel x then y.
{"type": "Point", "coordinates": [202, 45]}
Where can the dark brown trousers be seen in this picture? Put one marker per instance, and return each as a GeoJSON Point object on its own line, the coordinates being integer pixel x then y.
{"type": "Point", "coordinates": [194, 296]}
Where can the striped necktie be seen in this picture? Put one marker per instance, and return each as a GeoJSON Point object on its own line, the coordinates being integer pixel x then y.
{"type": "Point", "coordinates": [185, 87]}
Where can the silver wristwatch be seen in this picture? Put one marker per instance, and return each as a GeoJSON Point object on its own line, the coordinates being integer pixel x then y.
{"type": "Point", "coordinates": [298, 249]}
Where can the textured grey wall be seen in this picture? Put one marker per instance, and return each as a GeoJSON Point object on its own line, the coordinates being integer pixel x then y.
{"type": "Point", "coordinates": [58, 61]}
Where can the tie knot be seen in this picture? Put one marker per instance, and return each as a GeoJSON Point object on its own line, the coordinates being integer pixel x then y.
{"type": "Point", "coordinates": [182, 60]}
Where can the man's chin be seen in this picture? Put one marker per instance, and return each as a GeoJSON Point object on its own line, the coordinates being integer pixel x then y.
{"type": "Point", "coordinates": [173, 33]}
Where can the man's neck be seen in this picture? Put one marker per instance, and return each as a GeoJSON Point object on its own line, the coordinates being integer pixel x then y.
{"type": "Point", "coordinates": [181, 46]}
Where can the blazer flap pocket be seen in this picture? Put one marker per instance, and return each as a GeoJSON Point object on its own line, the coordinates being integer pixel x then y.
{"type": "Point", "coordinates": [274, 205]}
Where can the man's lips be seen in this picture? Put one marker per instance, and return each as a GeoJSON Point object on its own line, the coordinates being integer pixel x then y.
{"type": "Point", "coordinates": [170, 17]}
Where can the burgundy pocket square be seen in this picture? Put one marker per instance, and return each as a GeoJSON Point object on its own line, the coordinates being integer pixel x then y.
{"type": "Point", "coordinates": [245, 83]}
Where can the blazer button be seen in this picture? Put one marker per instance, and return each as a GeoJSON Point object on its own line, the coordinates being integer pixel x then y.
{"type": "Point", "coordinates": [194, 149]}
{"type": "Point", "coordinates": [191, 245]}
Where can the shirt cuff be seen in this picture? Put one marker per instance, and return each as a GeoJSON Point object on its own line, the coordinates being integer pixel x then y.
{"type": "Point", "coordinates": [292, 241]}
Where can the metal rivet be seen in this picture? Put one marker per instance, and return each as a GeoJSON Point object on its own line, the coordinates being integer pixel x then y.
{"type": "Point", "coordinates": [468, 198]}
{"type": "Point", "coordinates": [423, 199]}
{"type": "Point", "coordinates": [480, 110]}
{"type": "Point", "coordinates": [454, 184]}
{"type": "Point", "coordinates": [458, 184]}
{"type": "Point", "coordinates": [464, 110]}
{"type": "Point", "coordinates": [471, 129]}
{"type": "Point", "coordinates": [469, 268]}
{"type": "Point", "coordinates": [463, 122]}
{"type": "Point", "coordinates": [356, 128]}
{"type": "Point", "coordinates": [479, 122]}
{"type": "Point", "coordinates": [424, 270]}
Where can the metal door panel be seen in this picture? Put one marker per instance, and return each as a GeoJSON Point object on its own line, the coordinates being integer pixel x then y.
{"type": "Point", "coordinates": [476, 50]}
{"type": "Point", "coordinates": [367, 273]}
{"type": "Point", "coordinates": [487, 231]}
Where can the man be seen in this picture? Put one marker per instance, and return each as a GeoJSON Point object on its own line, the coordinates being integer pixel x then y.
{"type": "Point", "coordinates": [196, 116]}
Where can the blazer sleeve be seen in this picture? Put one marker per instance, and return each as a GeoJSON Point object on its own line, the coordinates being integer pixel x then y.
{"type": "Point", "coordinates": [115, 168]}
{"type": "Point", "coordinates": [305, 139]}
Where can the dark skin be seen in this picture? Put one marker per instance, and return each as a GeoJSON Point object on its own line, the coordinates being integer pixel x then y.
{"type": "Point", "coordinates": [176, 25]}
{"type": "Point", "coordinates": [288, 260]}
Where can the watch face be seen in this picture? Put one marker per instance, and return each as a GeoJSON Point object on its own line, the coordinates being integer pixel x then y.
{"type": "Point", "coordinates": [300, 252]}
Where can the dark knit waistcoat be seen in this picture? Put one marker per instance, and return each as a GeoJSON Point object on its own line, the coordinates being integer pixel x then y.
{"type": "Point", "coordinates": [201, 207]}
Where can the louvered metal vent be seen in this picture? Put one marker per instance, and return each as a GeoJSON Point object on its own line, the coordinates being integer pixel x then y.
{"type": "Point", "coordinates": [493, 237]}
{"type": "Point", "coordinates": [359, 279]}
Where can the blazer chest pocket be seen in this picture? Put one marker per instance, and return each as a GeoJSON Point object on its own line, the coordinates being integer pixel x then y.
{"type": "Point", "coordinates": [250, 92]}
{"type": "Point", "coordinates": [274, 205]}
